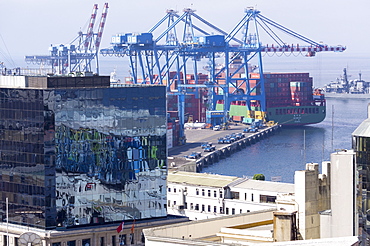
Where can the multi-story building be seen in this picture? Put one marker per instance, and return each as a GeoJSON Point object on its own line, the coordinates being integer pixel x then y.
{"type": "Point", "coordinates": [193, 194]}
{"type": "Point", "coordinates": [361, 146]}
{"type": "Point", "coordinates": [75, 152]}
{"type": "Point", "coordinates": [202, 196]}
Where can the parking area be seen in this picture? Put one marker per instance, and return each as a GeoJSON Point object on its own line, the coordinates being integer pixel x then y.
{"type": "Point", "coordinates": [195, 138]}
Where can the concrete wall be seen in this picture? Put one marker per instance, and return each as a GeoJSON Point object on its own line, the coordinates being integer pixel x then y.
{"type": "Point", "coordinates": [23, 81]}
{"type": "Point", "coordinates": [343, 218]}
{"type": "Point", "coordinates": [13, 81]}
{"type": "Point", "coordinates": [307, 196]}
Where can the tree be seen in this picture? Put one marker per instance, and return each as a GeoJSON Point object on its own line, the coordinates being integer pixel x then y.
{"type": "Point", "coordinates": [259, 176]}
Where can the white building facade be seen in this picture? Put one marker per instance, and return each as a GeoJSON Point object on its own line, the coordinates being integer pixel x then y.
{"type": "Point", "coordinates": [202, 196]}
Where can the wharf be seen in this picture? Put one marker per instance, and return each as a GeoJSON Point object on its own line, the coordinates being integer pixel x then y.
{"type": "Point", "coordinates": [195, 137]}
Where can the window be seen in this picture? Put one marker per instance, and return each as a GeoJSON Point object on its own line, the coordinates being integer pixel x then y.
{"type": "Point", "coordinates": [227, 210]}
{"type": "Point", "coordinates": [215, 193]}
{"type": "Point", "coordinates": [197, 207]}
{"type": "Point", "coordinates": [174, 202]}
{"type": "Point", "coordinates": [132, 241]}
{"type": "Point", "coordinates": [186, 205]}
{"type": "Point", "coordinates": [209, 193]}
{"type": "Point", "coordinates": [220, 193]}
{"type": "Point", "coordinates": [169, 203]}
{"type": "Point", "coordinates": [86, 242]}
{"type": "Point", "coordinates": [203, 207]}
{"type": "Point", "coordinates": [202, 192]}
{"type": "Point", "coordinates": [221, 210]}
{"type": "Point", "coordinates": [233, 211]}
{"type": "Point", "coordinates": [113, 240]}
{"type": "Point", "coordinates": [197, 191]}
{"type": "Point", "coordinates": [174, 190]}
{"type": "Point", "coordinates": [191, 206]}
{"type": "Point", "coordinates": [122, 240]}
{"type": "Point", "coordinates": [245, 196]}
{"type": "Point", "coordinates": [102, 241]}
{"type": "Point", "coordinates": [267, 199]}
{"type": "Point", "coordinates": [142, 237]}
{"type": "Point", "coordinates": [215, 209]}
{"type": "Point", "coordinates": [71, 243]}
{"type": "Point", "coordinates": [252, 198]}
{"type": "Point", "coordinates": [209, 208]}
{"type": "Point", "coordinates": [235, 195]}
{"type": "Point", "coordinates": [169, 189]}
{"type": "Point", "coordinates": [56, 244]}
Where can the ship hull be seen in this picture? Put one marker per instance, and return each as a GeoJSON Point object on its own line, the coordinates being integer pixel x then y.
{"type": "Point", "coordinates": [290, 116]}
{"type": "Point", "coordinates": [294, 115]}
{"type": "Point", "coordinates": [346, 95]}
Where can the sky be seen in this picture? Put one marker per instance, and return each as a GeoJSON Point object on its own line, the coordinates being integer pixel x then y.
{"type": "Point", "coordinates": [30, 27]}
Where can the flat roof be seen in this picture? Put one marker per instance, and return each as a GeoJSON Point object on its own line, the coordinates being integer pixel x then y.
{"type": "Point", "coordinates": [200, 179]}
{"type": "Point", "coordinates": [265, 186]}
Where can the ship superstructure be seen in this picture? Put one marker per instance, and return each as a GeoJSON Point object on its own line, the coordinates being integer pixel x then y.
{"type": "Point", "coordinates": [345, 86]}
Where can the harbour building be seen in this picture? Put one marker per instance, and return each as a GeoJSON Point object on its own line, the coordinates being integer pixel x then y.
{"type": "Point", "coordinates": [76, 153]}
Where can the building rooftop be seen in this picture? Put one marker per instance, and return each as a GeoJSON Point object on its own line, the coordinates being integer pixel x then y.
{"type": "Point", "coordinates": [254, 228]}
{"type": "Point", "coordinates": [265, 186]}
{"type": "Point", "coordinates": [201, 179]}
{"type": "Point", "coordinates": [363, 130]}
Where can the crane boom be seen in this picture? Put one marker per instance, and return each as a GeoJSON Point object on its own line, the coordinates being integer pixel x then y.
{"type": "Point", "coordinates": [101, 26]}
{"type": "Point", "coordinates": [157, 59]}
{"type": "Point", "coordinates": [90, 29]}
{"type": "Point", "coordinates": [78, 55]}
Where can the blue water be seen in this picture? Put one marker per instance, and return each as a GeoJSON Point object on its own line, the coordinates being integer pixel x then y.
{"type": "Point", "coordinates": [288, 150]}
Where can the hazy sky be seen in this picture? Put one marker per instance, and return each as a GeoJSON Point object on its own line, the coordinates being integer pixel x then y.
{"type": "Point", "coordinates": [30, 27]}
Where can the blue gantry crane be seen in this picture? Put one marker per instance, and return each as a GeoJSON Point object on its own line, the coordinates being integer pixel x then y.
{"type": "Point", "coordinates": [77, 56]}
{"type": "Point", "coordinates": [179, 45]}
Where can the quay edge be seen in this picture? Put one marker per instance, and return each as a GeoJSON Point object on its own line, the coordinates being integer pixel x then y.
{"type": "Point", "coordinates": [180, 163]}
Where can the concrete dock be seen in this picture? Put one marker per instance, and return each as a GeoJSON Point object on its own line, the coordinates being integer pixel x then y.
{"type": "Point", "coordinates": [195, 137]}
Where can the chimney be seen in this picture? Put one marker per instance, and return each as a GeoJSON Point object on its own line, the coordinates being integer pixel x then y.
{"type": "Point", "coordinates": [285, 226]}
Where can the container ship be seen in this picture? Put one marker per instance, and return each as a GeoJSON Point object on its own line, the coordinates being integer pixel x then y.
{"type": "Point", "coordinates": [290, 100]}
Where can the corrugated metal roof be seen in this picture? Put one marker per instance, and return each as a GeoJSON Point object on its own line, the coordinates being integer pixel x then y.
{"type": "Point", "coordinates": [201, 179]}
{"type": "Point", "coordinates": [363, 130]}
{"type": "Point", "coordinates": [266, 186]}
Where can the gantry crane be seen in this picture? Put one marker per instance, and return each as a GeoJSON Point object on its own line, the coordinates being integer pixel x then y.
{"type": "Point", "coordinates": [78, 55]}
{"type": "Point", "coordinates": [166, 56]}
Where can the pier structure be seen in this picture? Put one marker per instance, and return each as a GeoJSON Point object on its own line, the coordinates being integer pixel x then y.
{"type": "Point", "coordinates": [178, 157]}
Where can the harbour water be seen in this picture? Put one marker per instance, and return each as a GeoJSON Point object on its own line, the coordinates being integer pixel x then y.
{"type": "Point", "coordinates": [280, 155]}
{"type": "Point", "coordinates": [287, 151]}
